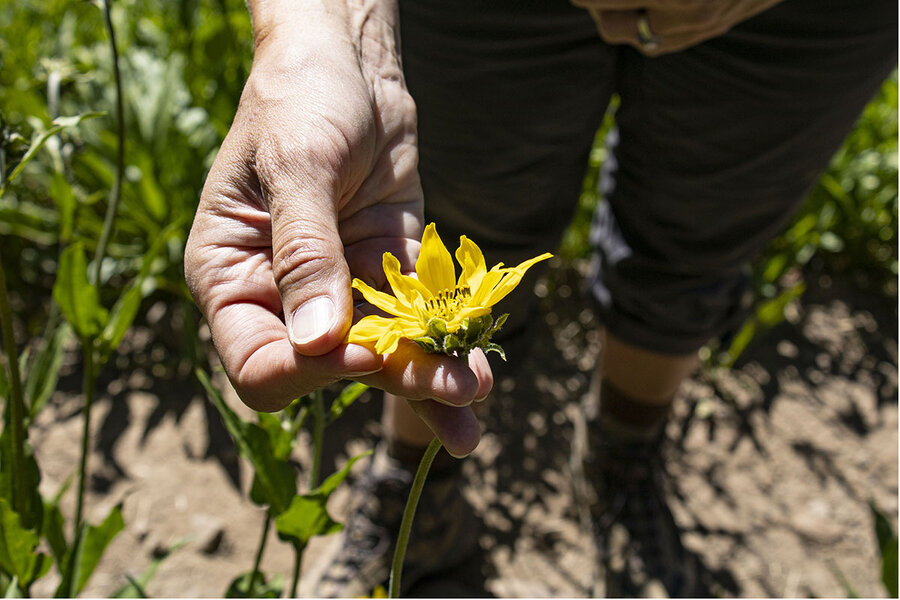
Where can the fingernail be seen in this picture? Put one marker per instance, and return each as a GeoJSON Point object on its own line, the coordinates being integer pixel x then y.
{"type": "Point", "coordinates": [480, 400]}
{"type": "Point", "coordinates": [449, 403]}
{"type": "Point", "coordinates": [351, 374]}
{"type": "Point", "coordinates": [313, 319]}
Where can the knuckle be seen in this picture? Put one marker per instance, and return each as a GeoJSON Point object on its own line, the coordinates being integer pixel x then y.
{"type": "Point", "coordinates": [308, 152]}
{"type": "Point", "coordinates": [408, 107]}
{"type": "Point", "coordinates": [301, 259]}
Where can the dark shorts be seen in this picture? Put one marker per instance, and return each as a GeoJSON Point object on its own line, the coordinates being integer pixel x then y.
{"type": "Point", "coordinates": [715, 146]}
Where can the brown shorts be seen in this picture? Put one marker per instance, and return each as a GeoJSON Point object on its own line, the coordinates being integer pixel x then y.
{"type": "Point", "coordinates": [714, 148]}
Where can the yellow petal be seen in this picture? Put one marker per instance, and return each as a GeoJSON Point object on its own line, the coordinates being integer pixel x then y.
{"type": "Point", "coordinates": [486, 286]}
{"type": "Point", "coordinates": [511, 279]}
{"type": "Point", "coordinates": [389, 341]}
{"type": "Point", "coordinates": [385, 302]}
{"type": "Point", "coordinates": [470, 258]}
{"type": "Point", "coordinates": [421, 310]}
{"type": "Point", "coordinates": [434, 268]}
{"type": "Point", "coordinates": [369, 329]}
{"type": "Point", "coordinates": [404, 286]}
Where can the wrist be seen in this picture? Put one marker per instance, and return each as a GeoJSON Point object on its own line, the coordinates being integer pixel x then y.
{"type": "Point", "coordinates": [285, 19]}
{"type": "Point", "coordinates": [369, 28]}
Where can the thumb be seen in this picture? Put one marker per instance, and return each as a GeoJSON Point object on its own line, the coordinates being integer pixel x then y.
{"type": "Point", "coordinates": [310, 270]}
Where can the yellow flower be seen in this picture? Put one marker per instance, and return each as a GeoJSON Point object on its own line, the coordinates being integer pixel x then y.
{"type": "Point", "coordinates": [453, 313]}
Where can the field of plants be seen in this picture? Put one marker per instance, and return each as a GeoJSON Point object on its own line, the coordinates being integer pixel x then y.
{"type": "Point", "coordinates": [128, 468]}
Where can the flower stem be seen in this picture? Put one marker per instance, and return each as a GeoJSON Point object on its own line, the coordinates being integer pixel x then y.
{"type": "Point", "coordinates": [409, 513]}
{"type": "Point", "coordinates": [87, 387]}
{"type": "Point", "coordinates": [15, 403]}
{"type": "Point", "coordinates": [259, 554]}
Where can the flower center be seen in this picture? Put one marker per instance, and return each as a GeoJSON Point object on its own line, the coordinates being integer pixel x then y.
{"type": "Point", "coordinates": [448, 302]}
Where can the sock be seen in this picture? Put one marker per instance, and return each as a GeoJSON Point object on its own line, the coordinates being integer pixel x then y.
{"type": "Point", "coordinates": [410, 456]}
{"type": "Point", "coordinates": [628, 419]}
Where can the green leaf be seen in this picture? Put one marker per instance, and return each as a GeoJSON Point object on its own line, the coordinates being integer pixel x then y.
{"type": "Point", "coordinates": [427, 344]}
{"type": "Point", "coordinates": [32, 513]}
{"type": "Point", "coordinates": [42, 373]}
{"type": "Point", "coordinates": [17, 547]}
{"type": "Point", "coordinates": [492, 347]}
{"type": "Point", "coordinates": [452, 344]}
{"type": "Point", "coordinates": [87, 550]}
{"type": "Point", "coordinates": [58, 125]}
{"type": "Point", "coordinates": [887, 547]}
{"type": "Point", "coordinates": [52, 530]}
{"type": "Point", "coordinates": [473, 328]}
{"type": "Point", "coordinates": [136, 586]}
{"type": "Point", "coordinates": [307, 515]}
{"type": "Point", "coordinates": [152, 196]}
{"type": "Point", "coordinates": [348, 396]}
{"type": "Point", "coordinates": [771, 313]}
{"type": "Point", "coordinates": [78, 299]}
{"type": "Point", "coordinates": [133, 589]}
{"type": "Point", "coordinates": [239, 587]}
{"type": "Point", "coordinates": [281, 438]}
{"type": "Point", "coordinates": [275, 480]}
{"type": "Point", "coordinates": [335, 479]}
{"type": "Point", "coordinates": [126, 308]}
{"type": "Point", "coordinates": [775, 268]}
{"type": "Point", "coordinates": [501, 320]}
{"type": "Point", "coordinates": [4, 383]}
{"type": "Point", "coordinates": [53, 524]}
{"type": "Point", "coordinates": [13, 590]}
{"type": "Point", "coordinates": [96, 540]}
{"type": "Point", "coordinates": [121, 318]}
{"type": "Point", "coordinates": [66, 204]}
{"type": "Point", "coordinates": [285, 478]}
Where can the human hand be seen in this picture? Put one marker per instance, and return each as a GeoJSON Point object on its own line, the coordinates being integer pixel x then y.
{"type": "Point", "coordinates": [661, 26]}
{"type": "Point", "coordinates": [314, 181]}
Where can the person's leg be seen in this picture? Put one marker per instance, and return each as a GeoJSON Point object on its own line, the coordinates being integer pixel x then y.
{"type": "Point", "coordinates": [509, 95]}
{"type": "Point", "coordinates": [716, 147]}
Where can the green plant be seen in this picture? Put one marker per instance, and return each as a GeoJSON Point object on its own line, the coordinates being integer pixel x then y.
{"type": "Point", "coordinates": [887, 549]}
{"type": "Point", "coordinates": [268, 445]}
{"type": "Point", "coordinates": [24, 515]}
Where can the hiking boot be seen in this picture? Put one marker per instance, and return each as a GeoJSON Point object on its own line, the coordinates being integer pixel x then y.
{"type": "Point", "coordinates": [638, 542]}
{"type": "Point", "coordinates": [444, 532]}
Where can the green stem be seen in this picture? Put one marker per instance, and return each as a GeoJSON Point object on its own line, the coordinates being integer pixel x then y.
{"type": "Point", "coordinates": [115, 193]}
{"type": "Point", "coordinates": [295, 579]}
{"type": "Point", "coordinates": [318, 431]}
{"type": "Point", "coordinates": [2, 152]}
{"type": "Point", "coordinates": [87, 386]}
{"type": "Point", "coordinates": [16, 402]}
{"type": "Point", "coordinates": [259, 554]}
{"type": "Point", "coordinates": [298, 420]}
{"type": "Point", "coordinates": [409, 513]}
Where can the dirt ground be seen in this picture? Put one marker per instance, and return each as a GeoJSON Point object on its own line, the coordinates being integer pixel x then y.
{"type": "Point", "coordinates": [772, 464]}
